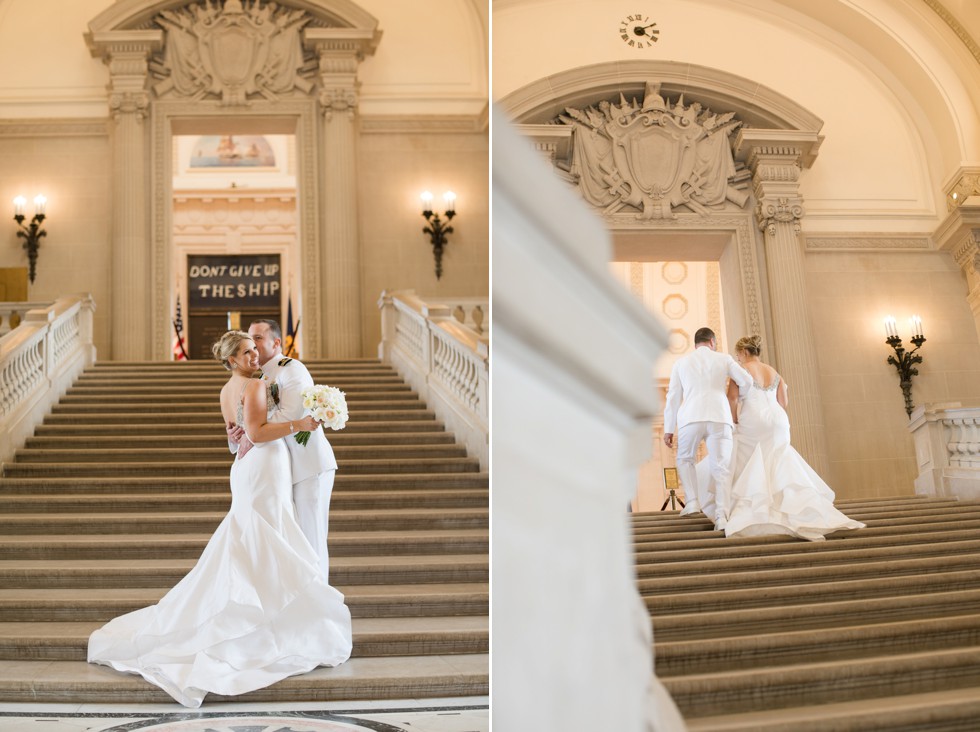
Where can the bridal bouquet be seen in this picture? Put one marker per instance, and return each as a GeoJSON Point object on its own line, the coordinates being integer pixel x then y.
{"type": "Point", "coordinates": [326, 404]}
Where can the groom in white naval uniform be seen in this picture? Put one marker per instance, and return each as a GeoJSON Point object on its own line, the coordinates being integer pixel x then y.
{"type": "Point", "coordinates": [313, 464]}
{"type": "Point", "coordinates": [697, 409]}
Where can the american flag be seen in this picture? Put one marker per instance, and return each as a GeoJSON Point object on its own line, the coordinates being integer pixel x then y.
{"type": "Point", "coordinates": [180, 354]}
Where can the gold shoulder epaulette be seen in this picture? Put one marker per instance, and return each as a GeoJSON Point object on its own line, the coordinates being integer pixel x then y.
{"type": "Point", "coordinates": [284, 361]}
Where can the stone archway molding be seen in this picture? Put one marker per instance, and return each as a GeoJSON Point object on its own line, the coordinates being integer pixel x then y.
{"type": "Point", "coordinates": [168, 66]}
{"type": "Point", "coordinates": [756, 105]}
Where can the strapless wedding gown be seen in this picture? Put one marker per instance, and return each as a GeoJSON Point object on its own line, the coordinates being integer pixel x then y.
{"type": "Point", "coordinates": [774, 490]}
{"type": "Point", "coordinates": [253, 610]}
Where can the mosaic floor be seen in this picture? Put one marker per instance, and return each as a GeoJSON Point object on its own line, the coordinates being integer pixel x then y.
{"type": "Point", "coordinates": [469, 714]}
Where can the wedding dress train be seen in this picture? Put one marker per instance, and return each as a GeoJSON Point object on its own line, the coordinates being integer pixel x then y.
{"type": "Point", "coordinates": [253, 610]}
{"type": "Point", "coordinates": [774, 490]}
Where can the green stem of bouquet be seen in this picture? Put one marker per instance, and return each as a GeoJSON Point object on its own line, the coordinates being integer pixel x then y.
{"type": "Point", "coordinates": [303, 437]}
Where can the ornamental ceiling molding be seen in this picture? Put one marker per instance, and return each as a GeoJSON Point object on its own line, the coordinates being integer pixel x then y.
{"type": "Point", "coordinates": [756, 105]}
{"type": "Point", "coordinates": [939, 9]}
{"type": "Point", "coordinates": [866, 242]}
{"type": "Point", "coordinates": [655, 157]}
{"type": "Point", "coordinates": [48, 127]}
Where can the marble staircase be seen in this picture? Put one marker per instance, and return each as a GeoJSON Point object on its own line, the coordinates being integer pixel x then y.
{"type": "Point", "coordinates": [113, 499]}
{"type": "Point", "coordinates": [877, 629]}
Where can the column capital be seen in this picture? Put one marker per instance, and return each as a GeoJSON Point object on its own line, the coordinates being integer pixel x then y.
{"type": "Point", "coordinates": [126, 54]}
{"type": "Point", "coordinates": [129, 102]}
{"type": "Point", "coordinates": [776, 147]}
{"type": "Point", "coordinates": [339, 52]}
{"type": "Point", "coordinates": [343, 99]}
{"type": "Point", "coordinates": [772, 210]}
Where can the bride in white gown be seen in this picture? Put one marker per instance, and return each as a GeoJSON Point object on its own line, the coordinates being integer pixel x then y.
{"type": "Point", "coordinates": [255, 608]}
{"type": "Point", "coordinates": [774, 490]}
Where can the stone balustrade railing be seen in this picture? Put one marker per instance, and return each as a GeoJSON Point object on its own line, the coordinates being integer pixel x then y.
{"type": "Point", "coordinates": [947, 448]}
{"type": "Point", "coordinates": [11, 313]}
{"type": "Point", "coordinates": [443, 352]}
{"type": "Point", "coordinates": [39, 360]}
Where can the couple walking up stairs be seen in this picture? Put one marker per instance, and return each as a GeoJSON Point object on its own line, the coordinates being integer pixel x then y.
{"type": "Point", "coordinates": [113, 499]}
{"type": "Point", "coordinates": [876, 629]}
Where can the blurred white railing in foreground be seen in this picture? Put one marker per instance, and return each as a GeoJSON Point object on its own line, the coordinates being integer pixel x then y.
{"type": "Point", "coordinates": [39, 360]}
{"type": "Point", "coordinates": [442, 350]}
{"type": "Point", "coordinates": [947, 449]}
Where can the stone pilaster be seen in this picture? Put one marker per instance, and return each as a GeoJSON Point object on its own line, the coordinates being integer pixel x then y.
{"type": "Point", "coordinates": [339, 53]}
{"type": "Point", "coordinates": [776, 163]}
{"type": "Point", "coordinates": [130, 314]}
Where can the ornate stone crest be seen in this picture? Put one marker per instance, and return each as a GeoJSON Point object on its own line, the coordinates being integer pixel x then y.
{"type": "Point", "coordinates": [655, 156]}
{"type": "Point", "coordinates": [230, 52]}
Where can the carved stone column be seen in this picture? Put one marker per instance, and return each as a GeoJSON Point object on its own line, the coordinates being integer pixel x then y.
{"type": "Point", "coordinates": [339, 53]}
{"type": "Point", "coordinates": [776, 159]}
{"type": "Point", "coordinates": [130, 315]}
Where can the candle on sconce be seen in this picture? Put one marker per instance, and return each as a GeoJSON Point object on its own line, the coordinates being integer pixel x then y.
{"type": "Point", "coordinates": [19, 204]}
{"type": "Point", "coordinates": [450, 198]}
{"type": "Point", "coordinates": [40, 203]}
{"type": "Point", "coordinates": [426, 201]}
{"type": "Point", "coordinates": [890, 330]}
{"type": "Point", "coordinates": [916, 322]}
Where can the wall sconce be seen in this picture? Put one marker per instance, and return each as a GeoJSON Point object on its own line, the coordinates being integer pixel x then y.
{"type": "Point", "coordinates": [905, 362]}
{"type": "Point", "coordinates": [436, 229]}
{"type": "Point", "coordinates": [32, 233]}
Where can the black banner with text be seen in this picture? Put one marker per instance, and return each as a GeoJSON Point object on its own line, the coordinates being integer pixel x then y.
{"type": "Point", "coordinates": [232, 282]}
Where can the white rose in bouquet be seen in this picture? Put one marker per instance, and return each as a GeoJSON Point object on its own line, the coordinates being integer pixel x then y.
{"type": "Point", "coordinates": [326, 404]}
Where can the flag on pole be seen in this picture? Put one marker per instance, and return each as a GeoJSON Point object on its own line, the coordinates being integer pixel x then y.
{"type": "Point", "coordinates": [290, 349]}
{"type": "Point", "coordinates": [180, 354]}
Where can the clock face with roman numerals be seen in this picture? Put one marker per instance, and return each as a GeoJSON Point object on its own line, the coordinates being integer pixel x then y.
{"type": "Point", "coordinates": [638, 31]}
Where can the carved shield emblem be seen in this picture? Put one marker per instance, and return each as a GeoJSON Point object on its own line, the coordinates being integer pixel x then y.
{"type": "Point", "coordinates": [654, 158]}
{"type": "Point", "coordinates": [231, 56]}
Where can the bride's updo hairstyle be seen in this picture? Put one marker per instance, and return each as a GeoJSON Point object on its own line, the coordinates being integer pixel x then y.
{"type": "Point", "coordinates": [751, 345]}
{"type": "Point", "coordinates": [227, 346]}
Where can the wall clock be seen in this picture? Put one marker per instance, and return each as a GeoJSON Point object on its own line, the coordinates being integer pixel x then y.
{"type": "Point", "coordinates": [637, 31]}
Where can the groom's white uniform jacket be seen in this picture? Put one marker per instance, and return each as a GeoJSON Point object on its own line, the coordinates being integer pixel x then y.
{"type": "Point", "coordinates": [293, 377]}
{"type": "Point", "coordinates": [697, 391]}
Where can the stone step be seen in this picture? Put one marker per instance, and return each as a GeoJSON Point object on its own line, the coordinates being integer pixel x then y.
{"type": "Point", "coordinates": [409, 677]}
{"type": "Point", "coordinates": [152, 544]}
{"type": "Point", "coordinates": [210, 427]}
{"type": "Point", "coordinates": [123, 573]}
{"type": "Point", "coordinates": [768, 578]}
{"type": "Point", "coordinates": [365, 601]}
{"type": "Point", "coordinates": [955, 709]}
{"type": "Point", "coordinates": [208, 392]}
{"type": "Point", "coordinates": [816, 645]}
{"type": "Point", "coordinates": [656, 524]}
{"type": "Point", "coordinates": [138, 409]}
{"type": "Point", "coordinates": [755, 609]}
{"type": "Point", "coordinates": [221, 467]}
{"type": "Point", "coordinates": [373, 637]}
{"type": "Point", "coordinates": [131, 484]}
{"type": "Point", "coordinates": [170, 522]}
{"type": "Point", "coordinates": [839, 554]}
{"type": "Point", "coordinates": [826, 682]}
{"type": "Point", "coordinates": [117, 452]}
{"type": "Point", "coordinates": [325, 374]}
{"type": "Point", "coordinates": [212, 418]}
{"type": "Point", "coordinates": [872, 537]}
{"type": "Point", "coordinates": [372, 500]}
{"type": "Point", "coordinates": [217, 439]}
